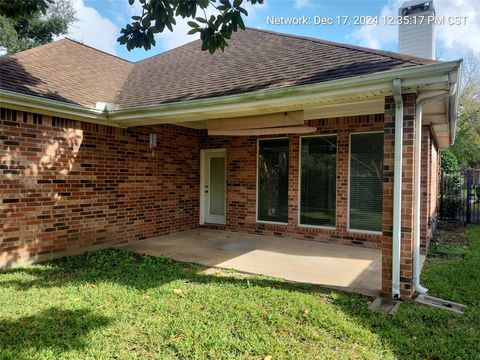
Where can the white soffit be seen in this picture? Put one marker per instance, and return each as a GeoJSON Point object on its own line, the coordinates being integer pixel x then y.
{"type": "Point", "coordinates": [266, 131]}
{"type": "Point", "coordinates": [258, 122]}
{"type": "Point", "coordinates": [376, 106]}
{"type": "Point", "coordinates": [435, 114]}
{"type": "Point", "coordinates": [199, 125]}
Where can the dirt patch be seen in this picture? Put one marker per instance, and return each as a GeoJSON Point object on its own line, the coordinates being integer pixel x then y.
{"type": "Point", "coordinates": [450, 232]}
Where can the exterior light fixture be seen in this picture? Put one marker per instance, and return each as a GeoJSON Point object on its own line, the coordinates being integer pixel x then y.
{"type": "Point", "coordinates": [153, 140]}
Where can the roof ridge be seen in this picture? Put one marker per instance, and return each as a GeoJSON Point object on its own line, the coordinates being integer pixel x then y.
{"type": "Point", "coordinates": [166, 51]}
{"type": "Point", "coordinates": [98, 50]}
{"type": "Point", "coordinates": [185, 72]}
{"type": "Point", "coordinates": [33, 50]}
{"type": "Point", "coordinates": [390, 54]}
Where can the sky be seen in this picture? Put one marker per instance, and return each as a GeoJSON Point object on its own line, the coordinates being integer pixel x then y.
{"type": "Point", "coordinates": [99, 23]}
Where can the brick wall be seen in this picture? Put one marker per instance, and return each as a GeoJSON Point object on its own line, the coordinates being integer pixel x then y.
{"type": "Point", "coordinates": [67, 186]}
{"type": "Point", "coordinates": [407, 196]}
{"type": "Point", "coordinates": [241, 183]}
{"type": "Point", "coordinates": [430, 187]}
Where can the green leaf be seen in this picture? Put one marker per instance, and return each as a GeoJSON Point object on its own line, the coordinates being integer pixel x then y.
{"type": "Point", "coordinates": [237, 3]}
{"type": "Point", "coordinates": [243, 11]}
{"type": "Point", "coordinates": [240, 21]}
{"type": "Point", "coordinates": [131, 2]}
{"type": "Point", "coordinates": [193, 24]}
{"type": "Point", "coordinates": [211, 49]}
{"type": "Point", "coordinates": [122, 40]}
{"type": "Point", "coordinates": [226, 3]}
{"type": "Point", "coordinates": [163, 15]}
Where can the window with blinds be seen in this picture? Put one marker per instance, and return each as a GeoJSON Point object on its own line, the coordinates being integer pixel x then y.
{"type": "Point", "coordinates": [318, 180]}
{"type": "Point", "coordinates": [273, 180]}
{"type": "Point", "coordinates": [366, 180]}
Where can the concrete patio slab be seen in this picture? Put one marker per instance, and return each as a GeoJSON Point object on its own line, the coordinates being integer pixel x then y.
{"type": "Point", "coordinates": [348, 268]}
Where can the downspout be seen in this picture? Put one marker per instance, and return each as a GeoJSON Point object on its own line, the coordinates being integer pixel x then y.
{"type": "Point", "coordinates": [421, 100]}
{"type": "Point", "coordinates": [397, 188]}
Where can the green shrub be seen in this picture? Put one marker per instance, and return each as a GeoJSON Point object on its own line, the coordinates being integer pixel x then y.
{"type": "Point", "coordinates": [449, 162]}
{"type": "Point", "coordinates": [452, 200]}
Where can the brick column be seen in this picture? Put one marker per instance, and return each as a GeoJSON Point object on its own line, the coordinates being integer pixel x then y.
{"type": "Point", "coordinates": [293, 183]}
{"type": "Point", "coordinates": [407, 196]}
{"type": "Point", "coordinates": [425, 189]}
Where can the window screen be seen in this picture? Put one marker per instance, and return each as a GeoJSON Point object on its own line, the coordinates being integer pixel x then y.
{"type": "Point", "coordinates": [366, 178]}
{"type": "Point", "coordinates": [318, 181]}
{"type": "Point", "coordinates": [273, 180]}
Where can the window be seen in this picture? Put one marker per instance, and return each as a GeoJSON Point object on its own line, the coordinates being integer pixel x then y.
{"type": "Point", "coordinates": [366, 178]}
{"type": "Point", "coordinates": [318, 180]}
{"type": "Point", "coordinates": [273, 180]}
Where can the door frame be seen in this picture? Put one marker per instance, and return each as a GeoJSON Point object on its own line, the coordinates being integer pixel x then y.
{"type": "Point", "coordinates": [203, 167]}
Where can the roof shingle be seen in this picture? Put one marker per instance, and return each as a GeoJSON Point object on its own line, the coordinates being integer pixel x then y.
{"type": "Point", "coordinates": [256, 59]}
{"type": "Point", "coordinates": [67, 71]}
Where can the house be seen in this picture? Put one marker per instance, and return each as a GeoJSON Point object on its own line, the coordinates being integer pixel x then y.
{"type": "Point", "coordinates": [279, 135]}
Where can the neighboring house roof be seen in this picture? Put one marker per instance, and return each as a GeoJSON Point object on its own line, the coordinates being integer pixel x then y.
{"type": "Point", "coordinates": [67, 71]}
{"type": "Point", "coordinates": [256, 59]}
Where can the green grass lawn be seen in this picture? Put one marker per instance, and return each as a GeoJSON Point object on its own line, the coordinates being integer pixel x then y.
{"type": "Point", "coordinates": [113, 304]}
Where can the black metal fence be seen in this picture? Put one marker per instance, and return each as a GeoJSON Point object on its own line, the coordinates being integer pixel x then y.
{"type": "Point", "coordinates": [460, 196]}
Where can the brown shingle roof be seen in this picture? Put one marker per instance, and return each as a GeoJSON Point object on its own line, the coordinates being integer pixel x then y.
{"type": "Point", "coordinates": [255, 59]}
{"type": "Point", "coordinates": [65, 70]}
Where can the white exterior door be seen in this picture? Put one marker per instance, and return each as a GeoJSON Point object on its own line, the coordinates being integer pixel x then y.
{"type": "Point", "coordinates": [214, 186]}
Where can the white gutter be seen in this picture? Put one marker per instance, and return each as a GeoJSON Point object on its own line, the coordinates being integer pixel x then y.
{"type": "Point", "coordinates": [278, 99]}
{"type": "Point", "coordinates": [397, 188]}
{"type": "Point", "coordinates": [19, 101]}
{"type": "Point", "coordinates": [421, 100]}
{"type": "Point", "coordinates": [454, 78]}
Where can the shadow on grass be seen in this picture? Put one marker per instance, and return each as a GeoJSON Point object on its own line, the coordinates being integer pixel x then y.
{"type": "Point", "coordinates": [129, 269]}
{"type": "Point", "coordinates": [54, 329]}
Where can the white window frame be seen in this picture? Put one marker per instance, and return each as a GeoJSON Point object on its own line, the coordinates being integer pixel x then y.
{"type": "Point", "coordinates": [300, 184]}
{"type": "Point", "coordinates": [359, 231]}
{"type": "Point", "coordinates": [257, 173]}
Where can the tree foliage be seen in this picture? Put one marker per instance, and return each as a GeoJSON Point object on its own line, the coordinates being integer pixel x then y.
{"type": "Point", "coordinates": [33, 24]}
{"type": "Point", "coordinates": [449, 161]}
{"type": "Point", "coordinates": [14, 9]}
{"type": "Point", "coordinates": [214, 30]}
{"type": "Point", "coordinates": [467, 144]}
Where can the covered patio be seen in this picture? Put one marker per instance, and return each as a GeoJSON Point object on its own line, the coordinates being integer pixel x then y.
{"type": "Point", "coordinates": [343, 267]}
